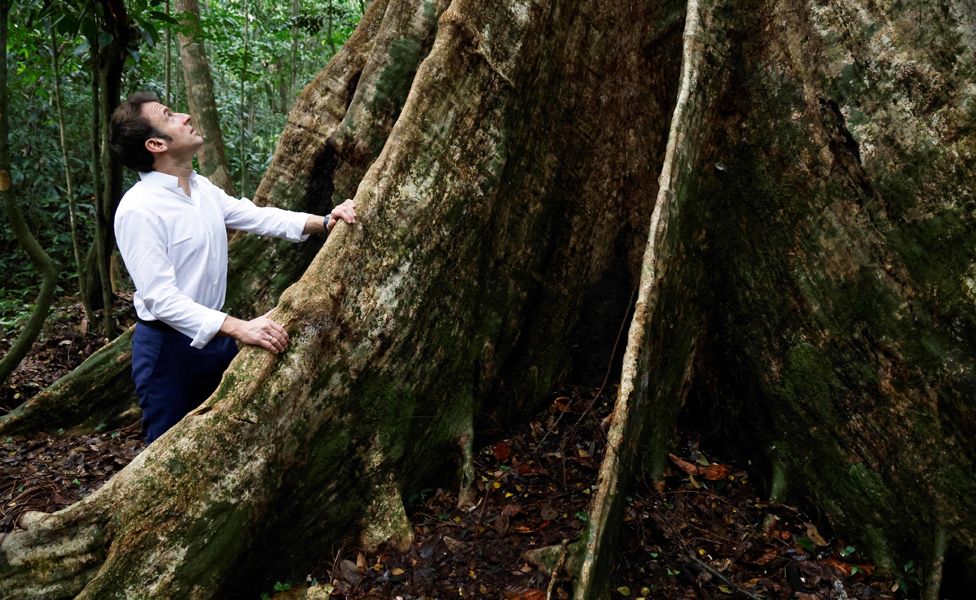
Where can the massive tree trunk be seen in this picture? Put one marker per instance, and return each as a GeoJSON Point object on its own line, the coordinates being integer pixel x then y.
{"type": "Point", "coordinates": [483, 221]}
{"type": "Point", "coordinates": [848, 333]}
{"type": "Point", "coordinates": [807, 280]}
{"type": "Point", "coordinates": [200, 96]}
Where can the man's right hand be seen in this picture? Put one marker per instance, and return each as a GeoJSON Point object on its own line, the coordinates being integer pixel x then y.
{"type": "Point", "coordinates": [261, 331]}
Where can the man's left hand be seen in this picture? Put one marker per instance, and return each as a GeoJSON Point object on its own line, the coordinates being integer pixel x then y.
{"type": "Point", "coordinates": [345, 211]}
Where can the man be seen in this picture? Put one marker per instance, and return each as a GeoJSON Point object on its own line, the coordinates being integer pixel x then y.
{"type": "Point", "coordinates": [171, 228]}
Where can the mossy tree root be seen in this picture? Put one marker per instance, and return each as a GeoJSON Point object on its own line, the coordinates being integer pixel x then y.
{"type": "Point", "coordinates": [99, 391]}
{"type": "Point", "coordinates": [53, 556]}
{"type": "Point", "coordinates": [657, 364]}
{"type": "Point", "coordinates": [933, 583]}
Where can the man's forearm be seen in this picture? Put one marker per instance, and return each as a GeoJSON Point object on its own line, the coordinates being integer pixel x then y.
{"type": "Point", "coordinates": [315, 224]}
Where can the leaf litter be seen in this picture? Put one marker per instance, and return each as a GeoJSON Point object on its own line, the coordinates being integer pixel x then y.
{"type": "Point", "coordinates": [707, 535]}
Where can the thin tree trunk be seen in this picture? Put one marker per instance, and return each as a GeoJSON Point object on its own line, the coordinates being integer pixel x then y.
{"type": "Point", "coordinates": [47, 268]}
{"type": "Point", "coordinates": [68, 180]}
{"type": "Point", "coordinates": [200, 96]}
{"type": "Point", "coordinates": [241, 142]}
{"type": "Point", "coordinates": [98, 268]}
{"type": "Point", "coordinates": [169, 58]}
{"type": "Point", "coordinates": [331, 16]}
{"type": "Point", "coordinates": [107, 63]}
{"type": "Point", "coordinates": [294, 69]}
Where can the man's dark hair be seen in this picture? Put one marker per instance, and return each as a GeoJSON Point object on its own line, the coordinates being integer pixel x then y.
{"type": "Point", "coordinates": [128, 131]}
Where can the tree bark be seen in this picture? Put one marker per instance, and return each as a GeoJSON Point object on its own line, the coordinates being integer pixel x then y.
{"type": "Point", "coordinates": [808, 281]}
{"type": "Point", "coordinates": [107, 63]}
{"type": "Point", "coordinates": [403, 328]}
{"type": "Point", "coordinates": [200, 96]}
{"type": "Point", "coordinates": [69, 187]}
{"type": "Point", "coordinates": [42, 262]}
{"type": "Point", "coordinates": [864, 365]}
{"type": "Point", "coordinates": [658, 363]}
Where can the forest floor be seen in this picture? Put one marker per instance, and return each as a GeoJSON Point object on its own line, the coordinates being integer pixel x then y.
{"type": "Point", "coordinates": [707, 534]}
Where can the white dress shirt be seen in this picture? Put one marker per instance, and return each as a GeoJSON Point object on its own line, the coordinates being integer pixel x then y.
{"type": "Point", "coordinates": [175, 248]}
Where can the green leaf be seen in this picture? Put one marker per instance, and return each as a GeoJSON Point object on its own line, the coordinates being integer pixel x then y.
{"type": "Point", "coordinates": [165, 18]}
{"type": "Point", "coordinates": [805, 543]}
{"type": "Point", "coordinates": [848, 551]}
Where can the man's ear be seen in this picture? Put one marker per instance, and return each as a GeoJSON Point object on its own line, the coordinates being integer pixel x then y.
{"type": "Point", "coordinates": [156, 145]}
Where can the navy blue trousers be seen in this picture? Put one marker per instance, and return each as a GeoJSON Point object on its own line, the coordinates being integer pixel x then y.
{"type": "Point", "coordinates": [172, 377]}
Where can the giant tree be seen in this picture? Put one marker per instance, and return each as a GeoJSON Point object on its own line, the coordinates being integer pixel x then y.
{"type": "Point", "coordinates": [805, 263]}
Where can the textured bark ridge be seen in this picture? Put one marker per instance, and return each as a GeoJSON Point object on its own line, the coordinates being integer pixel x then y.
{"type": "Point", "coordinates": [668, 318]}
{"type": "Point", "coordinates": [808, 281]}
{"type": "Point", "coordinates": [833, 210]}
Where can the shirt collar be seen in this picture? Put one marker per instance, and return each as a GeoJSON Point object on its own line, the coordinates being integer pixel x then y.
{"type": "Point", "coordinates": [163, 180]}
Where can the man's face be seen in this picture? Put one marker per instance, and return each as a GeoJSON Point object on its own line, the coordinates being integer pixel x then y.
{"type": "Point", "coordinates": [183, 138]}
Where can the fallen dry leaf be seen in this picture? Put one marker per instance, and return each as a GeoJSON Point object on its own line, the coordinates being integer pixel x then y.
{"type": "Point", "coordinates": [814, 535]}
{"type": "Point", "coordinates": [502, 451]}
{"type": "Point", "coordinates": [712, 472]}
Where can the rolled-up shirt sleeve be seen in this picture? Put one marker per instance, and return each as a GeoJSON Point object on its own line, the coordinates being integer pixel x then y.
{"type": "Point", "coordinates": [263, 220]}
{"type": "Point", "coordinates": [142, 240]}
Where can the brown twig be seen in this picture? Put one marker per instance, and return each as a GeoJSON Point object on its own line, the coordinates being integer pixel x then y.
{"type": "Point", "coordinates": [560, 563]}
{"type": "Point", "coordinates": [718, 575]}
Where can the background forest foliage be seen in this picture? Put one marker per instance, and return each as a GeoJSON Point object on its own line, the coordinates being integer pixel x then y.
{"type": "Point", "coordinates": [261, 53]}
